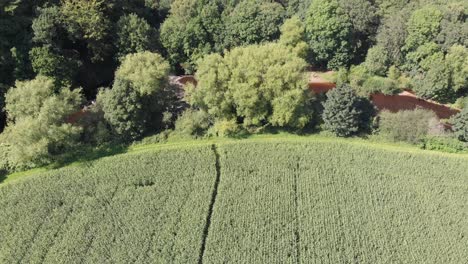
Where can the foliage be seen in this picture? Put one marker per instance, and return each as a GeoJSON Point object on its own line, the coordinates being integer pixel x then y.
{"type": "Point", "coordinates": [392, 35]}
{"type": "Point", "coordinates": [134, 35]}
{"type": "Point", "coordinates": [38, 130]}
{"type": "Point", "coordinates": [364, 19]}
{"type": "Point", "coordinates": [457, 63]}
{"type": "Point", "coordinates": [258, 85]}
{"type": "Point", "coordinates": [343, 112]}
{"type": "Point", "coordinates": [225, 128]}
{"type": "Point", "coordinates": [253, 22]}
{"type": "Point", "coordinates": [423, 58]}
{"type": "Point", "coordinates": [460, 125]}
{"type": "Point", "coordinates": [86, 19]}
{"type": "Point", "coordinates": [328, 30]}
{"type": "Point", "coordinates": [377, 62]}
{"type": "Point", "coordinates": [445, 144]}
{"type": "Point", "coordinates": [124, 110]}
{"type": "Point", "coordinates": [96, 131]}
{"type": "Point", "coordinates": [423, 27]}
{"type": "Point", "coordinates": [377, 84]}
{"type": "Point", "coordinates": [293, 35]}
{"type": "Point", "coordinates": [27, 98]}
{"type": "Point", "coordinates": [146, 71]}
{"type": "Point", "coordinates": [435, 84]}
{"type": "Point", "coordinates": [194, 29]}
{"type": "Point", "coordinates": [193, 123]}
{"type": "Point", "coordinates": [454, 26]}
{"type": "Point", "coordinates": [80, 210]}
{"type": "Point", "coordinates": [407, 125]}
{"type": "Point", "coordinates": [49, 63]}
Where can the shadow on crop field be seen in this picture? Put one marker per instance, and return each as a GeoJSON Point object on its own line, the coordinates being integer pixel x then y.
{"type": "Point", "coordinates": [86, 155]}
{"type": "Point", "coordinates": [3, 174]}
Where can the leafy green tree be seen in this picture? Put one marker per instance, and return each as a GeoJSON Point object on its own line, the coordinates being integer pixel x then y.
{"type": "Point", "coordinates": [423, 57]}
{"type": "Point", "coordinates": [212, 91]}
{"type": "Point", "coordinates": [377, 61]}
{"type": "Point", "coordinates": [392, 35]}
{"type": "Point", "coordinates": [124, 110]}
{"type": "Point", "coordinates": [27, 98]}
{"type": "Point", "coordinates": [298, 8]}
{"type": "Point", "coordinates": [139, 96]}
{"type": "Point", "coordinates": [3, 89]}
{"type": "Point", "coordinates": [329, 30]}
{"type": "Point", "coordinates": [48, 25]}
{"type": "Point", "coordinates": [454, 26]}
{"type": "Point", "coordinates": [37, 130]}
{"type": "Point", "coordinates": [194, 29]}
{"type": "Point", "coordinates": [435, 83]}
{"type": "Point", "coordinates": [86, 20]}
{"type": "Point", "coordinates": [364, 19]}
{"type": "Point", "coordinates": [45, 61]}
{"type": "Point", "coordinates": [134, 35]}
{"type": "Point", "coordinates": [460, 125]}
{"type": "Point", "coordinates": [146, 71]}
{"type": "Point", "coordinates": [423, 27]}
{"type": "Point", "coordinates": [457, 62]}
{"type": "Point", "coordinates": [343, 112]}
{"type": "Point", "coordinates": [253, 22]}
{"type": "Point", "coordinates": [258, 85]}
{"type": "Point", "coordinates": [293, 35]}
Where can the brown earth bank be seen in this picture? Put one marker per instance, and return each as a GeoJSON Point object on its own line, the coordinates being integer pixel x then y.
{"type": "Point", "coordinates": [405, 100]}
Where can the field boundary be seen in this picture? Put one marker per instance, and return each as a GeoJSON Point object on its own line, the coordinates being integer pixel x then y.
{"type": "Point", "coordinates": [279, 138]}
{"type": "Point", "coordinates": [212, 202]}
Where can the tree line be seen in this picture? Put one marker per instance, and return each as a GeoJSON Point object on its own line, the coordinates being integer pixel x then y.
{"type": "Point", "coordinates": [248, 56]}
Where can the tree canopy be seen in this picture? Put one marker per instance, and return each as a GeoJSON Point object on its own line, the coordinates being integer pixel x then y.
{"type": "Point", "coordinates": [257, 85]}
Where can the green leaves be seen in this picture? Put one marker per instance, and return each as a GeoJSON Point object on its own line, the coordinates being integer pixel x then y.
{"type": "Point", "coordinates": [343, 112]}
{"type": "Point", "coordinates": [460, 125]}
{"type": "Point", "coordinates": [328, 31]}
{"type": "Point", "coordinates": [134, 35]}
{"type": "Point", "coordinates": [259, 84]}
{"type": "Point", "coordinates": [38, 128]}
{"type": "Point", "coordinates": [139, 95]}
{"type": "Point", "coordinates": [147, 72]}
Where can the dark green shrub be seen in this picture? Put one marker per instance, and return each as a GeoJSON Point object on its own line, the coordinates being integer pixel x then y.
{"type": "Point", "coordinates": [193, 123]}
{"type": "Point", "coordinates": [345, 113]}
{"type": "Point", "coordinates": [377, 84]}
{"type": "Point", "coordinates": [123, 110]}
{"type": "Point", "coordinates": [225, 128]}
{"type": "Point", "coordinates": [444, 144]}
{"type": "Point", "coordinates": [410, 126]}
{"type": "Point", "coordinates": [460, 125]}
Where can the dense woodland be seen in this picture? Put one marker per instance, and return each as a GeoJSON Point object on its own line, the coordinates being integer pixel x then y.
{"type": "Point", "coordinates": [114, 58]}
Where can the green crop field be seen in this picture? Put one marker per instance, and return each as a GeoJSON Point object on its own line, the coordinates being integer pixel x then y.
{"type": "Point", "coordinates": [249, 201]}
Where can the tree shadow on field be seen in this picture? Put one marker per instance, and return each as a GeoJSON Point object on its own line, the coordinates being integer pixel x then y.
{"type": "Point", "coordinates": [3, 174]}
{"type": "Point", "coordinates": [87, 155]}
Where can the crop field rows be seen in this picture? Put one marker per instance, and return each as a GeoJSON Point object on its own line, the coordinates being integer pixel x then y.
{"type": "Point", "coordinates": [327, 203]}
{"type": "Point", "coordinates": [243, 203]}
{"type": "Point", "coordinates": [155, 214]}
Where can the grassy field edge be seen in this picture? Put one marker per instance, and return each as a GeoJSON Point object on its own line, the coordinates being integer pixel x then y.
{"type": "Point", "coordinates": [279, 138]}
